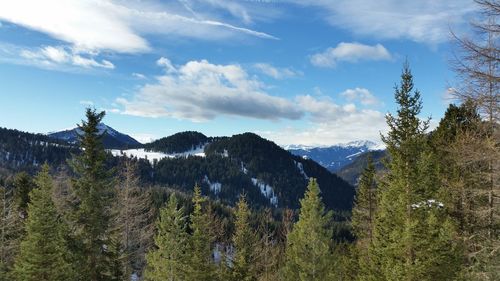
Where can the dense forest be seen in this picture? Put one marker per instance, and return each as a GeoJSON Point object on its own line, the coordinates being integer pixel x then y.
{"type": "Point", "coordinates": [430, 213]}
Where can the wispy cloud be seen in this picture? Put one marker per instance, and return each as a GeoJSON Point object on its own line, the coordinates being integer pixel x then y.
{"type": "Point", "coordinates": [200, 91]}
{"type": "Point", "coordinates": [350, 52]}
{"type": "Point", "coordinates": [276, 72]}
{"type": "Point", "coordinates": [54, 56]}
{"type": "Point", "coordinates": [424, 21]}
{"type": "Point", "coordinates": [138, 75]}
{"type": "Point", "coordinates": [117, 26]}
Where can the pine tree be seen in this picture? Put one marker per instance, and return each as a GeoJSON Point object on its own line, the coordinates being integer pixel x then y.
{"type": "Point", "coordinates": [168, 260]}
{"type": "Point", "coordinates": [201, 266]}
{"type": "Point", "coordinates": [244, 243]}
{"type": "Point", "coordinates": [93, 190]}
{"type": "Point", "coordinates": [363, 216]}
{"type": "Point", "coordinates": [43, 250]}
{"type": "Point", "coordinates": [402, 233]}
{"type": "Point", "coordinates": [11, 232]}
{"type": "Point", "coordinates": [23, 184]}
{"type": "Point", "coordinates": [363, 212]}
{"type": "Point", "coordinates": [308, 253]}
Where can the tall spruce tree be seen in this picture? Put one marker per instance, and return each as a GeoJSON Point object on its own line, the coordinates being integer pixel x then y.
{"type": "Point", "coordinates": [11, 232]}
{"type": "Point", "coordinates": [404, 236]}
{"type": "Point", "coordinates": [308, 251]}
{"type": "Point", "coordinates": [244, 243]}
{"type": "Point", "coordinates": [43, 254]}
{"type": "Point", "coordinates": [363, 212]}
{"type": "Point", "coordinates": [168, 260]}
{"type": "Point", "coordinates": [201, 265]}
{"type": "Point", "coordinates": [93, 190]}
{"type": "Point", "coordinates": [363, 216]}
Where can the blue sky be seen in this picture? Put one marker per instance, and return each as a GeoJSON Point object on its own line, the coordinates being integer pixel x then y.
{"type": "Point", "coordinates": [296, 72]}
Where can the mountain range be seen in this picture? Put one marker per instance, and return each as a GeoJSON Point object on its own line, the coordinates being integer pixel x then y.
{"type": "Point", "coordinates": [224, 167]}
{"type": "Point", "coordinates": [112, 139]}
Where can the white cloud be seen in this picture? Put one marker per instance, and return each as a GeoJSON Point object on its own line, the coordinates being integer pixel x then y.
{"type": "Point", "coordinates": [138, 75]}
{"type": "Point", "coordinates": [166, 63]}
{"type": "Point", "coordinates": [276, 72]}
{"type": "Point", "coordinates": [50, 56]}
{"type": "Point", "coordinates": [112, 25]}
{"type": "Point", "coordinates": [331, 123]}
{"type": "Point", "coordinates": [350, 52]}
{"type": "Point", "coordinates": [202, 91]}
{"type": "Point", "coordinates": [362, 95]}
{"type": "Point", "coordinates": [424, 21]}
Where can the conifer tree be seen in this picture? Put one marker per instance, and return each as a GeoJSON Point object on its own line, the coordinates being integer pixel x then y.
{"type": "Point", "coordinates": [23, 184]}
{"type": "Point", "coordinates": [168, 260]}
{"type": "Point", "coordinates": [308, 253]}
{"type": "Point", "coordinates": [363, 212]}
{"type": "Point", "coordinates": [201, 266]}
{"type": "Point", "coordinates": [244, 243]}
{"type": "Point", "coordinates": [93, 190]}
{"type": "Point", "coordinates": [363, 216]}
{"type": "Point", "coordinates": [403, 234]}
{"type": "Point", "coordinates": [43, 250]}
{"type": "Point", "coordinates": [11, 232]}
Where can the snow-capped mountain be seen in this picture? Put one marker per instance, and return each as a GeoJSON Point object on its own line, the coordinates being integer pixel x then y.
{"type": "Point", "coordinates": [336, 156]}
{"type": "Point", "coordinates": [112, 138]}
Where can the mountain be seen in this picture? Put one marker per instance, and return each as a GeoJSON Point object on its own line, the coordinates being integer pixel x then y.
{"type": "Point", "coordinates": [335, 157]}
{"type": "Point", "coordinates": [178, 143]}
{"type": "Point", "coordinates": [26, 151]}
{"type": "Point", "coordinates": [112, 139]}
{"type": "Point", "coordinates": [352, 171]}
{"type": "Point", "coordinates": [224, 167]}
{"type": "Point", "coordinates": [244, 163]}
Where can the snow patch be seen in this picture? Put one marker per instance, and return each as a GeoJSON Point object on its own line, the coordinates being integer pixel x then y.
{"type": "Point", "coordinates": [151, 156]}
{"type": "Point", "coordinates": [215, 187]}
{"type": "Point", "coordinates": [428, 204]}
{"type": "Point", "coordinates": [301, 169]}
{"type": "Point", "coordinates": [267, 191]}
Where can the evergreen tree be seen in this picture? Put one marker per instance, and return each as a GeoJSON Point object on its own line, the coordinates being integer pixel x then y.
{"type": "Point", "coordinates": [308, 254]}
{"type": "Point", "coordinates": [363, 212]}
{"type": "Point", "coordinates": [363, 216]}
{"type": "Point", "coordinates": [23, 184]}
{"type": "Point", "coordinates": [93, 190]}
{"type": "Point", "coordinates": [43, 250]}
{"type": "Point", "coordinates": [168, 260]}
{"type": "Point", "coordinates": [402, 236]}
{"type": "Point", "coordinates": [244, 243]}
{"type": "Point", "coordinates": [11, 232]}
{"type": "Point", "coordinates": [201, 266]}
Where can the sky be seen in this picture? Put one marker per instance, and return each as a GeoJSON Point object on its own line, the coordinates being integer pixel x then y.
{"type": "Point", "coordinates": [310, 72]}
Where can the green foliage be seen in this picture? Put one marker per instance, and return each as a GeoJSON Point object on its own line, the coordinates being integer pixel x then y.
{"type": "Point", "coordinates": [244, 243]}
{"type": "Point", "coordinates": [410, 223]}
{"type": "Point", "coordinates": [93, 189]}
{"type": "Point", "coordinates": [365, 204]}
{"type": "Point", "coordinates": [200, 266]}
{"type": "Point", "coordinates": [43, 254]}
{"type": "Point", "coordinates": [308, 253]}
{"type": "Point", "coordinates": [23, 184]}
{"type": "Point", "coordinates": [168, 260]}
